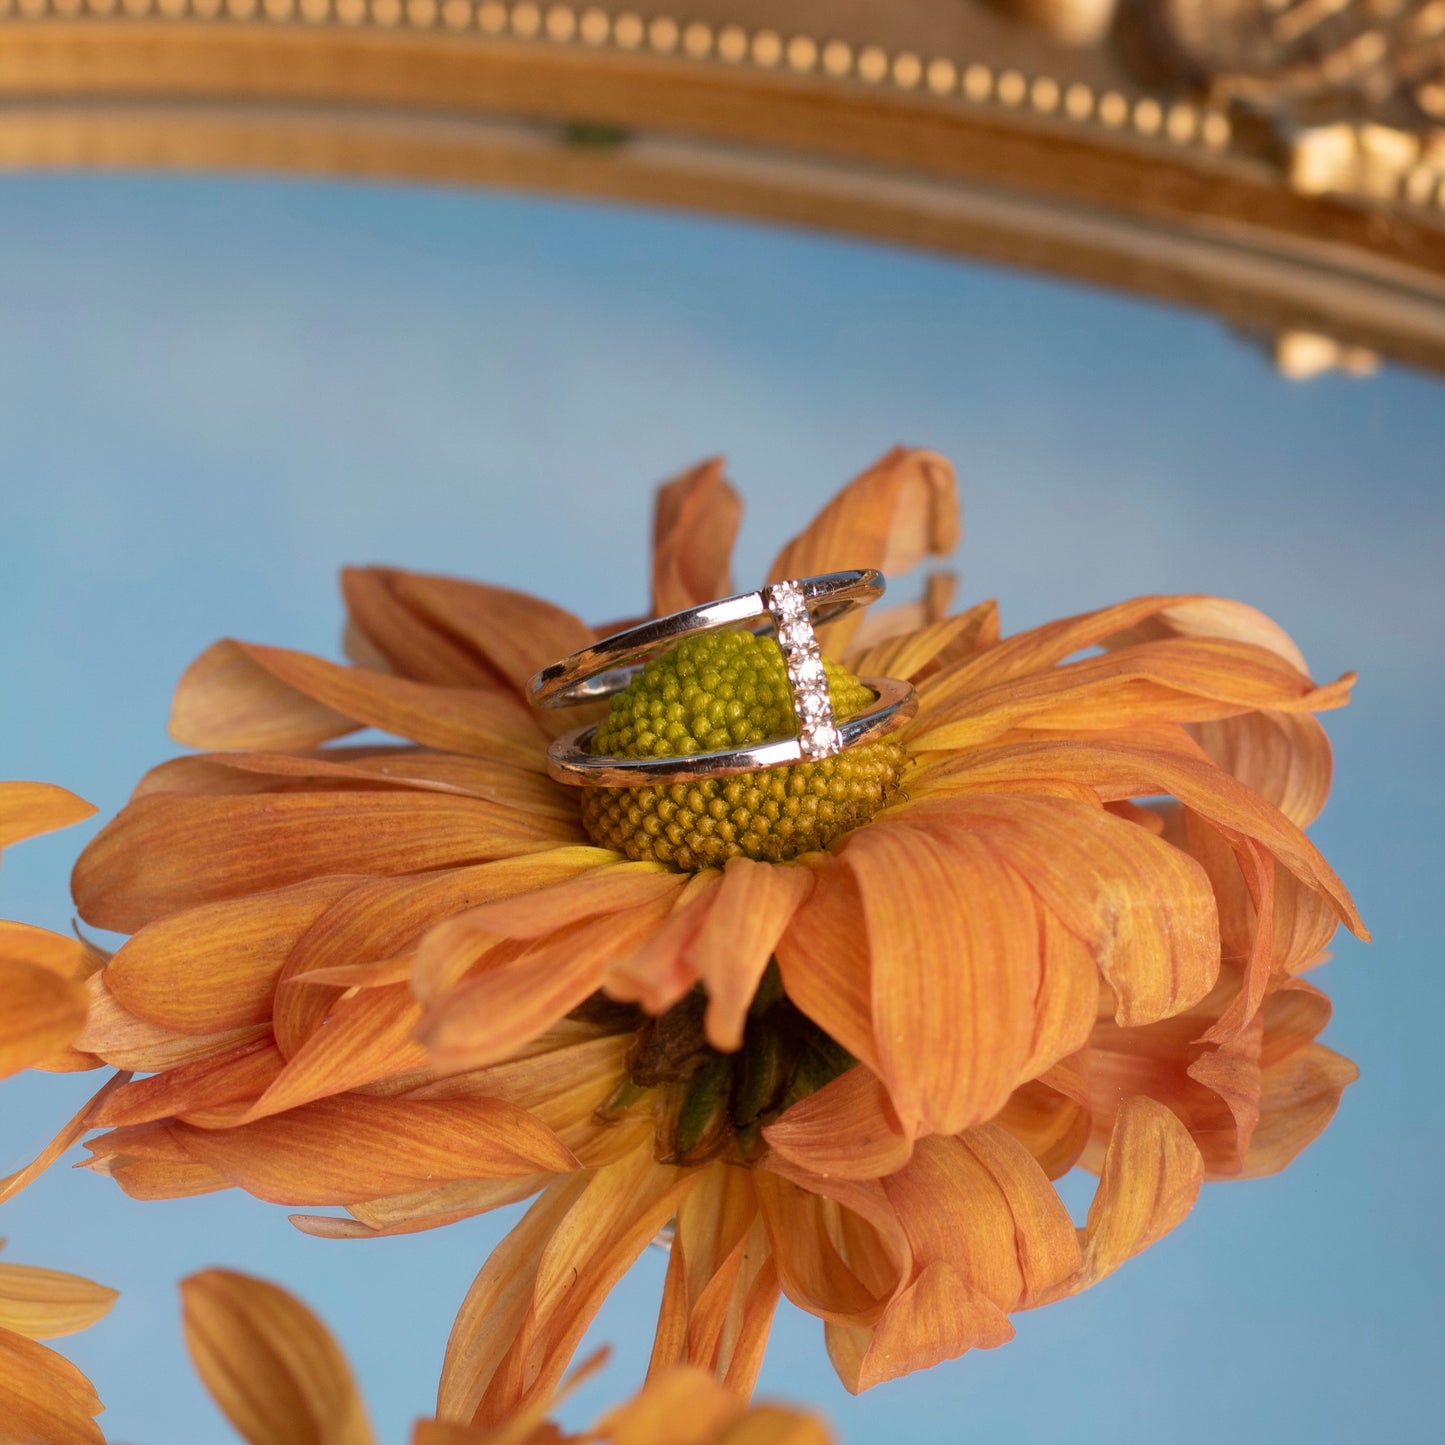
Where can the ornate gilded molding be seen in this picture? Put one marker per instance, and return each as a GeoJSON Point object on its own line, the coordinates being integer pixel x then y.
{"type": "Point", "coordinates": [1281, 162]}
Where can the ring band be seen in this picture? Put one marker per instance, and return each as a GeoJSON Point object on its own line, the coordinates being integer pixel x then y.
{"type": "Point", "coordinates": [788, 607]}
{"type": "Point", "coordinates": [568, 760]}
{"type": "Point", "coordinates": [608, 666]}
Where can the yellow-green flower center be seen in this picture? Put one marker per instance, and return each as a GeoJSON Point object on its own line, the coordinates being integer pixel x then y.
{"type": "Point", "coordinates": [729, 690]}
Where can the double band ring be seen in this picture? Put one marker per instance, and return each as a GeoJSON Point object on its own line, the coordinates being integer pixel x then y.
{"type": "Point", "coordinates": [787, 609]}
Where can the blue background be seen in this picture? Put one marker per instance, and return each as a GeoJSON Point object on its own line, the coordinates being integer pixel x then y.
{"type": "Point", "coordinates": [213, 394]}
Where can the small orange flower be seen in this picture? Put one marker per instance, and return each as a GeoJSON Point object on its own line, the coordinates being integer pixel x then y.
{"type": "Point", "coordinates": [42, 1395]}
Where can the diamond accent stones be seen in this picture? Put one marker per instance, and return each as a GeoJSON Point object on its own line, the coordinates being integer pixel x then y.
{"type": "Point", "coordinates": [818, 738]}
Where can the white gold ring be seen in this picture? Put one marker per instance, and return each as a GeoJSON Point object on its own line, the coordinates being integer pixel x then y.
{"type": "Point", "coordinates": [788, 608]}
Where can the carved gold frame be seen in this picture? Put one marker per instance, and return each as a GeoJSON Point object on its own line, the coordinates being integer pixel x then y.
{"type": "Point", "coordinates": [1152, 191]}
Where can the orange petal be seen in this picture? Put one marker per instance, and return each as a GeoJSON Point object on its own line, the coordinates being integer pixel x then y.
{"type": "Point", "coordinates": [1213, 1089]}
{"type": "Point", "coordinates": [536, 1295]}
{"type": "Point", "coordinates": [1188, 680]}
{"type": "Point", "coordinates": [1053, 1127]}
{"type": "Point", "coordinates": [953, 935]}
{"type": "Point", "coordinates": [42, 1012]}
{"type": "Point", "coordinates": [841, 1251]}
{"type": "Point", "coordinates": [751, 1317]}
{"type": "Point", "coordinates": [118, 1037]}
{"type": "Point", "coordinates": [43, 1397]}
{"type": "Point", "coordinates": [540, 911]}
{"type": "Point", "coordinates": [564, 1080]}
{"type": "Point", "coordinates": [1150, 1180]}
{"type": "Point", "coordinates": [512, 633]}
{"type": "Point", "coordinates": [749, 913]}
{"type": "Point", "coordinates": [719, 1253]}
{"type": "Point", "coordinates": [149, 1161]}
{"type": "Point", "coordinates": [902, 509]}
{"type": "Point", "coordinates": [27, 809]}
{"type": "Point", "coordinates": [1120, 625]}
{"type": "Point", "coordinates": [384, 633]}
{"type": "Point", "coordinates": [695, 519]}
{"type": "Point", "coordinates": [241, 1072]}
{"type": "Point", "coordinates": [1209, 617]}
{"type": "Point", "coordinates": [909, 654]}
{"type": "Point", "coordinates": [386, 919]}
{"type": "Point", "coordinates": [269, 1363]}
{"type": "Point", "coordinates": [681, 1406]}
{"type": "Point", "coordinates": [1144, 908]}
{"type": "Point", "coordinates": [167, 852]}
{"type": "Point", "coordinates": [981, 1204]}
{"type": "Point", "coordinates": [880, 624]}
{"type": "Point", "coordinates": [847, 1129]}
{"type": "Point", "coordinates": [57, 953]}
{"type": "Point", "coordinates": [825, 963]}
{"type": "Point", "coordinates": [215, 967]}
{"type": "Point", "coordinates": [934, 1318]}
{"type": "Point", "coordinates": [1067, 1002]}
{"type": "Point", "coordinates": [526, 1427]}
{"type": "Point", "coordinates": [354, 1146]}
{"type": "Point", "coordinates": [397, 766]}
{"type": "Point", "coordinates": [694, 525]}
{"type": "Point", "coordinates": [1114, 771]}
{"type": "Point", "coordinates": [1284, 756]}
{"type": "Point", "coordinates": [421, 1209]}
{"type": "Point", "coordinates": [1298, 1097]}
{"type": "Point", "coordinates": [661, 970]}
{"type": "Point", "coordinates": [241, 695]}
{"type": "Point", "coordinates": [42, 1303]}
{"type": "Point", "coordinates": [1300, 922]}
{"type": "Point", "coordinates": [496, 1009]}
{"type": "Point", "coordinates": [366, 1038]}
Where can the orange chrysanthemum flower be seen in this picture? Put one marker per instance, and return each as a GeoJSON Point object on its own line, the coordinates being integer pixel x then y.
{"type": "Point", "coordinates": [281, 1379]}
{"type": "Point", "coordinates": [43, 1397]}
{"type": "Point", "coordinates": [845, 1035]}
{"type": "Point", "coordinates": [954, 943]}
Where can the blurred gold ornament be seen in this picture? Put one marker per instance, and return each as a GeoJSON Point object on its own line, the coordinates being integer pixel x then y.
{"type": "Point", "coordinates": [1280, 162]}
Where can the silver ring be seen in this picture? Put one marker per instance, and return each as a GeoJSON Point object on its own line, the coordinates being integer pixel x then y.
{"type": "Point", "coordinates": [787, 607]}
{"type": "Point", "coordinates": [568, 760]}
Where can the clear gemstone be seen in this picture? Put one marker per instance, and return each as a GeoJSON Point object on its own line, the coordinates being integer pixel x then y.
{"type": "Point", "coordinates": [786, 599]}
{"type": "Point", "coordinates": [822, 742]}
{"type": "Point", "coordinates": [813, 706]}
{"type": "Point", "coordinates": [795, 633]}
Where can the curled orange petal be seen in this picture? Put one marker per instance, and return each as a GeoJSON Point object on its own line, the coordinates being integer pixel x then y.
{"type": "Point", "coordinates": [695, 520]}
{"type": "Point", "coordinates": [902, 509]}
{"type": "Point", "coordinates": [1149, 1182]}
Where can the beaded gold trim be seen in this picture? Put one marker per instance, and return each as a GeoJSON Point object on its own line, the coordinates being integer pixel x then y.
{"type": "Point", "coordinates": [972, 82]}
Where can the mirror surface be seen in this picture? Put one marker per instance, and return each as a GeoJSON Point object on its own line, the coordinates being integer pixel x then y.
{"type": "Point", "coordinates": [213, 394]}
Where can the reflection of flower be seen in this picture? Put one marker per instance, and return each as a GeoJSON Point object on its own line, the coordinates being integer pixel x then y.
{"type": "Point", "coordinates": [42, 1395]}
{"type": "Point", "coordinates": [401, 979]}
{"type": "Point", "coordinates": [280, 1378]}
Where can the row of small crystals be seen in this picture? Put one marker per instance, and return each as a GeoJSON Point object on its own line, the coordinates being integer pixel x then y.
{"type": "Point", "coordinates": [1180, 122]}
{"type": "Point", "coordinates": [817, 737]}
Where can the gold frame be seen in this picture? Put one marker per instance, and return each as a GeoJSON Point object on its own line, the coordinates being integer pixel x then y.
{"type": "Point", "coordinates": [1151, 191]}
